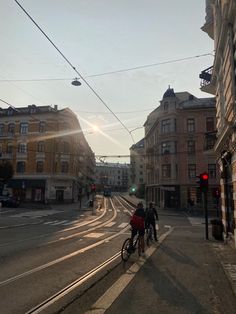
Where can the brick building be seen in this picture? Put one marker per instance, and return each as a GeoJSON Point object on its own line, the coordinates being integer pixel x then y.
{"type": "Point", "coordinates": [179, 140]}
{"type": "Point", "coordinates": [52, 161]}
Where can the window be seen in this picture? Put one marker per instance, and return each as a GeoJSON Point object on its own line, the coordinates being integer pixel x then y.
{"type": "Point", "coordinates": [64, 167]}
{"type": "Point", "coordinates": [141, 180]}
{"type": "Point", "coordinates": [9, 148]}
{"type": "Point", "coordinates": [65, 147]}
{"type": "Point", "coordinates": [40, 147]}
{"type": "Point", "coordinates": [212, 171]}
{"type": "Point", "coordinates": [20, 167]}
{"type": "Point", "coordinates": [11, 128]}
{"type": "Point", "coordinates": [166, 171]}
{"type": "Point", "coordinates": [1, 129]}
{"type": "Point", "coordinates": [192, 171]}
{"type": "Point", "coordinates": [39, 166]}
{"type": "Point", "coordinates": [191, 147]}
{"type": "Point", "coordinates": [22, 148]}
{"type": "Point", "coordinates": [210, 124]}
{"type": "Point", "coordinates": [165, 126]}
{"type": "Point", "coordinates": [42, 126]}
{"type": "Point", "coordinates": [165, 105]}
{"type": "Point", "coordinates": [210, 142]}
{"type": "Point", "coordinates": [191, 125]}
{"type": "Point", "coordinates": [24, 128]}
{"type": "Point", "coordinates": [165, 148]}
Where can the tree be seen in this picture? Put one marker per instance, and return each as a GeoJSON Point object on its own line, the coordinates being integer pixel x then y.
{"type": "Point", "coordinates": [6, 173]}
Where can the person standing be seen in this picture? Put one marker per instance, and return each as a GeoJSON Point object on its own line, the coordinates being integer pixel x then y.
{"type": "Point", "coordinates": [151, 218]}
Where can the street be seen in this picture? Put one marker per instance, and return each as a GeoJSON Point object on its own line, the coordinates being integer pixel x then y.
{"type": "Point", "coordinates": [54, 267]}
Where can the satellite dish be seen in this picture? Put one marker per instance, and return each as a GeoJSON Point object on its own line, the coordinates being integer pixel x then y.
{"type": "Point", "coordinates": [76, 82]}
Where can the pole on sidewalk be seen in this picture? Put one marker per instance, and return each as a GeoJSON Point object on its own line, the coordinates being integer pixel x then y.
{"type": "Point", "coordinates": [206, 212]}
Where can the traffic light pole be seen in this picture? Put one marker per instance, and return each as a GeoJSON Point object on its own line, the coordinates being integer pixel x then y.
{"type": "Point", "coordinates": [206, 212]}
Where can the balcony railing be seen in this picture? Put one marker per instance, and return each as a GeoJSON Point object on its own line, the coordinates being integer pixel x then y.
{"type": "Point", "coordinates": [206, 84]}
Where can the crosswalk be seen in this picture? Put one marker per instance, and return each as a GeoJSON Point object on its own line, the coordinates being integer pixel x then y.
{"type": "Point", "coordinates": [92, 224]}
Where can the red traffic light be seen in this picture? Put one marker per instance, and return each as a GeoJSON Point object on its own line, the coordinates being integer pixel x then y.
{"type": "Point", "coordinates": [204, 176]}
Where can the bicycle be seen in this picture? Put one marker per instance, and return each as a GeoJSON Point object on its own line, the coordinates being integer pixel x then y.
{"type": "Point", "coordinates": [128, 248]}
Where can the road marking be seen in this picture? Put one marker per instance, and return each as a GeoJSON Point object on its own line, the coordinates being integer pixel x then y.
{"type": "Point", "coordinates": [110, 224]}
{"type": "Point", "coordinates": [124, 224]}
{"type": "Point", "coordinates": [106, 300]}
{"type": "Point", "coordinates": [110, 210]}
{"type": "Point", "coordinates": [59, 222]}
{"type": "Point", "coordinates": [94, 235]}
{"type": "Point", "coordinates": [50, 222]}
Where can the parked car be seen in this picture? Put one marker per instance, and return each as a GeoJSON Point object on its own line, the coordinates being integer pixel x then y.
{"type": "Point", "coordinates": [9, 201]}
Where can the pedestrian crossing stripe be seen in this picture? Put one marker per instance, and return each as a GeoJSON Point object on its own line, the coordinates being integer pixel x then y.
{"type": "Point", "coordinates": [118, 210]}
{"type": "Point", "coordinates": [110, 224]}
{"type": "Point", "coordinates": [94, 235]}
{"type": "Point", "coordinates": [124, 224]}
{"type": "Point", "coordinates": [58, 222]}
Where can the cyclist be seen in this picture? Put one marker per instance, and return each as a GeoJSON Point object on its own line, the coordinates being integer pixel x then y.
{"type": "Point", "coordinates": [151, 217]}
{"type": "Point", "coordinates": [137, 223]}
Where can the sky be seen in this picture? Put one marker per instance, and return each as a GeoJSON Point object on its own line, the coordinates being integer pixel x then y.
{"type": "Point", "coordinates": [97, 37]}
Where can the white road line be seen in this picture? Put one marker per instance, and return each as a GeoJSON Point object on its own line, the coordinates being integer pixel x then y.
{"type": "Point", "coordinates": [118, 210]}
{"type": "Point", "coordinates": [94, 223]}
{"type": "Point", "coordinates": [50, 222]}
{"type": "Point", "coordinates": [106, 300]}
{"type": "Point", "coordinates": [94, 235]}
{"type": "Point", "coordinates": [110, 224]}
{"type": "Point", "coordinates": [69, 223]}
{"type": "Point", "coordinates": [59, 222]}
{"type": "Point", "coordinates": [110, 210]}
{"type": "Point", "coordinates": [124, 224]}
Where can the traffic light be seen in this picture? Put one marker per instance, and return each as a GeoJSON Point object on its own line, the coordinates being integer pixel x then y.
{"type": "Point", "coordinates": [203, 181]}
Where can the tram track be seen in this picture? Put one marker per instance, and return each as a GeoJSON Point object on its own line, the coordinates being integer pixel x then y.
{"type": "Point", "coordinates": [79, 281]}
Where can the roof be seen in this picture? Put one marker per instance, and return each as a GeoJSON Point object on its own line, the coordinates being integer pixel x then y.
{"type": "Point", "coordinates": [138, 145]}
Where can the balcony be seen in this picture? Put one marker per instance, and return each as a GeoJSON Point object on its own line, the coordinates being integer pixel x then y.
{"type": "Point", "coordinates": [4, 156]}
{"type": "Point", "coordinates": [206, 84]}
{"type": "Point", "coordinates": [210, 140]}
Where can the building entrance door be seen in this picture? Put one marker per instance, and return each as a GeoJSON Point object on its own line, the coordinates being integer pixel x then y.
{"type": "Point", "coordinates": [60, 196]}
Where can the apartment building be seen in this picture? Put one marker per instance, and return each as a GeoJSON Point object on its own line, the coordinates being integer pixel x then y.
{"type": "Point", "coordinates": [52, 160]}
{"type": "Point", "coordinates": [137, 169]}
{"type": "Point", "coordinates": [219, 79]}
{"type": "Point", "coordinates": [114, 175]}
{"type": "Point", "coordinates": [179, 140]}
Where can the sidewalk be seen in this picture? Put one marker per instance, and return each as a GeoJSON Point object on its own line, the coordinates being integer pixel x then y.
{"type": "Point", "coordinates": [185, 274]}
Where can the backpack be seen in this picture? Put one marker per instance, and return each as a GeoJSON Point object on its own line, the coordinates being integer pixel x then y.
{"type": "Point", "coordinates": [137, 222]}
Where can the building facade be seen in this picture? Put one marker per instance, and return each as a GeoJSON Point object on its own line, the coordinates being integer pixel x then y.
{"type": "Point", "coordinates": [220, 80]}
{"type": "Point", "coordinates": [51, 159]}
{"type": "Point", "coordinates": [114, 175]}
{"type": "Point", "coordinates": [137, 169]}
{"type": "Point", "coordinates": [179, 142]}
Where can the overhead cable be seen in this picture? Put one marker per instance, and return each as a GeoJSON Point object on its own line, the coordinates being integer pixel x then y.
{"type": "Point", "coordinates": [74, 68]}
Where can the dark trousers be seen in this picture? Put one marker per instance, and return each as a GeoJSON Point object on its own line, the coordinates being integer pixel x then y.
{"type": "Point", "coordinates": [153, 224]}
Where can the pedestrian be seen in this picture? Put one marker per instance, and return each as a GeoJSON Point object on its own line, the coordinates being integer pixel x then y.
{"type": "Point", "coordinates": [151, 218]}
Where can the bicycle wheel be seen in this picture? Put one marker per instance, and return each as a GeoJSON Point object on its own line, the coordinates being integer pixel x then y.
{"type": "Point", "coordinates": [125, 253]}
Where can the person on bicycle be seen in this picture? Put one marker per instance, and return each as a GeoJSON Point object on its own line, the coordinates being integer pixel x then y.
{"type": "Point", "coordinates": [151, 217]}
{"type": "Point", "coordinates": [137, 223]}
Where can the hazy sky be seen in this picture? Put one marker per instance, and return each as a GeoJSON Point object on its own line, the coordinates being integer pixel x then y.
{"type": "Point", "coordinates": [99, 36]}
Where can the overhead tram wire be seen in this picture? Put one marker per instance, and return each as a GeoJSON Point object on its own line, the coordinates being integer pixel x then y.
{"type": "Point", "coordinates": [74, 68]}
{"type": "Point", "coordinates": [112, 72]}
